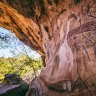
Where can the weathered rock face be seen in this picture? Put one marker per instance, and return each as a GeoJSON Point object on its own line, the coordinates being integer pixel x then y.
{"type": "Point", "coordinates": [72, 51]}
{"type": "Point", "coordinates": [65, 35]}
{"type": "Point", "coordinates": [13, 85]}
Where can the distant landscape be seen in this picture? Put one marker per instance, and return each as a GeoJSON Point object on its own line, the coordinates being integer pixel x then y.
{"type": "Point", "coordinates": [16, 57]}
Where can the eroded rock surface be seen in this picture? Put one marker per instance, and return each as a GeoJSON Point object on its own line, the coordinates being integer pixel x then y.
{"type": "Point", "coordinates": [13, 85]}
{"type": "Point", "coordinates": [64, 33]}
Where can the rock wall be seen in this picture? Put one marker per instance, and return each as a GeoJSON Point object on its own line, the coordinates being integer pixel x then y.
{"type": "Point", "coordinates": [71, 54]}
{"type": "Point", "coordinates": [64, 33]}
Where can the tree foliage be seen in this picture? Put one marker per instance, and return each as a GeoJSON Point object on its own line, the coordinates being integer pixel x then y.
{"type": "Point", "coordinates": [20, 62]}
{"type": "Point", "coordinates": [20, 65]}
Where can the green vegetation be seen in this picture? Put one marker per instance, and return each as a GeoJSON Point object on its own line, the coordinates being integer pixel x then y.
{"type": "Point", "coordinates": [20, 65]}
{"type": "Point", "coordinates": [19, 61]}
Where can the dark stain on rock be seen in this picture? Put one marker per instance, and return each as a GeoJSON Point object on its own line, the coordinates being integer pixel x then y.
{"type": "Point", "coordinates": [77, 1]}
{"type": "Point", "coordinates": [72, 16]}
{"type": "Point", "coordinates": [56, 87]}
{"type": "Point", "coordinates": [1, 12]}
{"type": "Point", "coordinates": [56, 64]}
{"type": "Point", "coordinates": [56, 1]}
{"type": "Point", "coordinates": [76, 47]}
{"type": "Point", "coordinates": [49, 2]}
{"type": "Point", "coordinates": [48, 53]}
{"type": "Point", "coordinates": [6, 24]}
{"type": "Point", "coordinates": [57, 59]}
{"type": "Point", "coordinates": [46, 29]}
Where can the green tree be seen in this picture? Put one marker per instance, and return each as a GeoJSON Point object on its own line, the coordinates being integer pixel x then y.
{"type": "Point", "coordinates": [20, 65]}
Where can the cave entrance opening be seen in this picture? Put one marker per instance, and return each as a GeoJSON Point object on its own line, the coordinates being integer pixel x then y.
{"type": "Point", "coordinates": [16, 57]}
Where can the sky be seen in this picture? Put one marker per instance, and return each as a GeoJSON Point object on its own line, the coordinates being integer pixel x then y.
{"type": "Point", "coordinates": [12, 46]}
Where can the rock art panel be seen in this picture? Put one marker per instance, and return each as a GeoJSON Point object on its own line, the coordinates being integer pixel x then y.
{"type": "Point", "coordinates": [63, 32]}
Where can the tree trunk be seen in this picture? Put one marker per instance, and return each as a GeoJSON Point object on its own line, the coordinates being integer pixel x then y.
{"type": "Point", "coordinates": [64, 33]}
